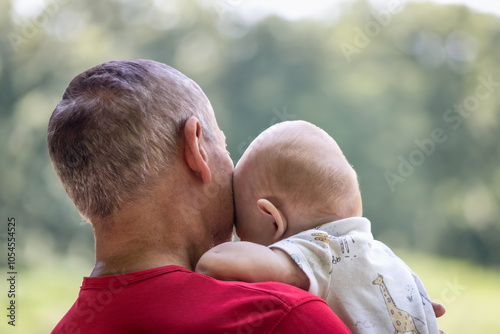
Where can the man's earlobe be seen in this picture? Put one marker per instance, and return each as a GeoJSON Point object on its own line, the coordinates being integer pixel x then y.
{"type": "Point", "coordinates": [194, 150]}
{"type": "Point", "coordinates": [271, 211]}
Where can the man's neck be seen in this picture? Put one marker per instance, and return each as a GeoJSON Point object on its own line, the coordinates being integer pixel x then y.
{"type": "Point", "coordinates": [127, 262]}
{"type": "Point", "coordinates": [129, 243]}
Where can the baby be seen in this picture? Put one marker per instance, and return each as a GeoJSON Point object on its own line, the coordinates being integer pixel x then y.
{"type": "Point", "coordinates": [296, 193]}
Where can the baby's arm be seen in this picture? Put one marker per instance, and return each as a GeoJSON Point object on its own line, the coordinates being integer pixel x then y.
{"type": "Point", "coordinates": [249, 262]}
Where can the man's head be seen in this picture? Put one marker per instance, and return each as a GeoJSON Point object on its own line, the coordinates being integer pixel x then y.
{"type": "Point", "coordinates": [291, 178]}
{"type": "Point", "coordinates": [123, 127]}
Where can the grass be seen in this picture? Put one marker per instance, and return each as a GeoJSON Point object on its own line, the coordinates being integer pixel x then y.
{"type": "Point", "coordinates": [47, 286]}
{"type": "Point", "coordinates": [471, 293]}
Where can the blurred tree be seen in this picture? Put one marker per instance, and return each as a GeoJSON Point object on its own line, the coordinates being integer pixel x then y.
{"type": "Point", "coordinates": [414, 105]}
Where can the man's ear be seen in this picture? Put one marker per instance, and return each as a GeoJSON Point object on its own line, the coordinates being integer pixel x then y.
{"type": "Point", "coordinates": [271, 211]}
{"type": "Point", "coordinates": [194, 150]}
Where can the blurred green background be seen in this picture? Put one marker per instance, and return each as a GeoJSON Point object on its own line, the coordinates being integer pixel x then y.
{"type": "Point", "coordinates": [410, 92]}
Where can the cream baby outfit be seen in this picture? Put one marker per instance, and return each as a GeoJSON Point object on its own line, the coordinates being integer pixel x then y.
{"type": "Point", "coordinates": [367, 286]}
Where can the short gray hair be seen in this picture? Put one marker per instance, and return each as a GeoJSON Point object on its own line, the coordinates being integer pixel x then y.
{"type": "Point", "coordinates": [117, 127]}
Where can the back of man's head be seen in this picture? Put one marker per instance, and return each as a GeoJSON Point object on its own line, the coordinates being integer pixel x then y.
{"type": "Point", "coordinates": [117, 128]}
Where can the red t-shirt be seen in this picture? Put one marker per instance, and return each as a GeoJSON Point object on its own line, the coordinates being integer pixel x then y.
{"type": "Point", "coordinates": [173, 299]}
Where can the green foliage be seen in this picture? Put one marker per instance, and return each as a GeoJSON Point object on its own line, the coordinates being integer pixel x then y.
{"type": "Point", "coordinates": [382, 103]}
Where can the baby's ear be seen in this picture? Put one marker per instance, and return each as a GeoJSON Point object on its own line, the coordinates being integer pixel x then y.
{"type": "Point", "coordinates": [271, 211]}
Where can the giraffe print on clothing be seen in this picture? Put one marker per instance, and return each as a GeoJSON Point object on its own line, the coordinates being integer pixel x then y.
{"type": "Point", "coordinates": [402, 320]}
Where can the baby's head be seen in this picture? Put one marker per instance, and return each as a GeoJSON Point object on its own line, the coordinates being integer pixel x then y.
{"type": "Point", "coordinates": [292, 177]}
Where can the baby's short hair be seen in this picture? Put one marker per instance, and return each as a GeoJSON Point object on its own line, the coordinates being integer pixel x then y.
{"type": "Point", "coordinates": [301, 164]}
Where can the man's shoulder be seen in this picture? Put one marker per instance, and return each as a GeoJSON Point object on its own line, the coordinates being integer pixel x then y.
{"type": "Point", "coordinates": [280, 292]}
{"type": "Point", "coordinates": [168, 295]}
{"type": "Point", "coordinates": [180, 283]}
{"type": "Point", "coordinates": [273, 307]}
{"type": "Point", "coordinates": [287, 294]}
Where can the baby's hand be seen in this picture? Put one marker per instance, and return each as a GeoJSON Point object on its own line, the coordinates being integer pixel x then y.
{"type": "Point", "coordinates": [439, 309]}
